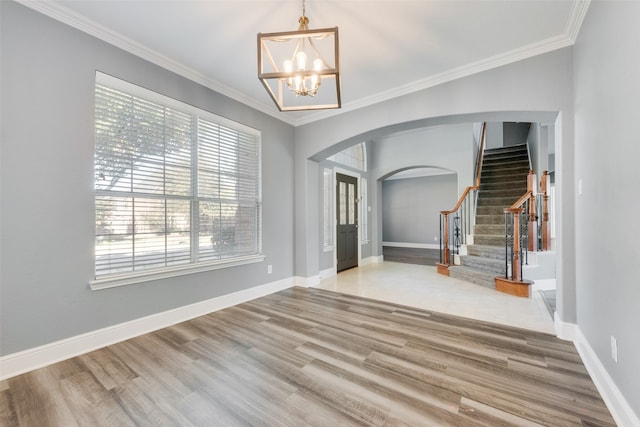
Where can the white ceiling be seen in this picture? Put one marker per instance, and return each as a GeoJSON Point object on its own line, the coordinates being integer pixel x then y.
{"type": "Point", "coordinates": [387, 47]}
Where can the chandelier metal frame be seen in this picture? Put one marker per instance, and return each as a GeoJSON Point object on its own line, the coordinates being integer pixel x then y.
{"type": "Point", "coordinates": [293, 85]}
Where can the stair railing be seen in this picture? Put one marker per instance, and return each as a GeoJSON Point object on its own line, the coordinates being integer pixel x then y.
{"type": "Point", "coordinates": [456, 224]}
{"type": "Point", "coordinates": [520, 231]}
{"type": "Point", "coordinates": [545, 225]}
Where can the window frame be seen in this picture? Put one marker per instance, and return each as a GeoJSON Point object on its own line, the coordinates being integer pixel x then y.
{"type": "Point", "coordinates": [156, 273]}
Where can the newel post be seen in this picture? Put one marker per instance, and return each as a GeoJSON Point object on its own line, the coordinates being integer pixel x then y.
{"type": "Point", "coordinates": [545, 183]}
{"type": "Point", "coordinates": [516, 270]}
{"type": "Point", "coordinates": [443, 267]}
{"type": "Point", "coordinates": [532, 187]}
{"type": "Point", "coordinates": [515, 285]}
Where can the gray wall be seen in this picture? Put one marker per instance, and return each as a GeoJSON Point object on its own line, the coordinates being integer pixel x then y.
{"type": "Point", "coordinates": [449, 147]}
{"type": "Point", "coordinates": [607, 90]}
{"type": "Point", "coordinates": [47, 223]}
{"type": "Point", "coordinates": [537, 89]}
{"type": "Point", "coordinates": [495, 135]}
{"type": "Point", "coordinates": [410, 207]}
{"type": "Point", "coordinates": [514, 133]}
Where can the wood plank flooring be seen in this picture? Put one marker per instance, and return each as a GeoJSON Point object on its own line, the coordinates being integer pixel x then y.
{"type": "Point", "coordinates": [411, 255]}
{"type": "Point", "coordinates": [314, 357]}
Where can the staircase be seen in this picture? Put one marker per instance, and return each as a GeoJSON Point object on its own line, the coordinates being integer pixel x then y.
{"type": "Point", "coordinates": [502, 181]}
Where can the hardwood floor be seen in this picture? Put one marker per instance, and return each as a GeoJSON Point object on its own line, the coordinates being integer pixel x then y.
{"type": "Point", "coordinates": [314, 357]}
{"type": "Point", "coordinates": [411, 255]}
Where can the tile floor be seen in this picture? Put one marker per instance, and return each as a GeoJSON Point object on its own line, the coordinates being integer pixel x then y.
{"type": "Point", "coordinates": [421, 286]}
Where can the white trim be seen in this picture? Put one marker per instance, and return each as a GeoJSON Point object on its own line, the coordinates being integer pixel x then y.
{"type": "Point", "coordinates": [578, 12]}
{"type": "Point", "coordinates": [568, 38]}
{"type": "Point", "coordinates": [38, 357]}
{"type": "Point", "coordinates": [86, 25]}
{"type": "Point", "coordinates": [307, 282]}
{"type": "Point", "coordinates": [157, 274]}
{"type": "Point", "coordinates": [377, 259]}
{"type": "Point", "coordinates": [373, 259]}
{"type": "Point", "coordinates": [565, 331]}
{"type": "Point", "coordinates": [65, 15]}
{"type": "Point", "coordinates": [614, 399]}
{"type": "Point", "coordinates": [411, 245]}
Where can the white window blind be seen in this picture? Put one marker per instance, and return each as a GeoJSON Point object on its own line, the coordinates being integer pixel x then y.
{"type": "Point", "coordinates": [174, 185]}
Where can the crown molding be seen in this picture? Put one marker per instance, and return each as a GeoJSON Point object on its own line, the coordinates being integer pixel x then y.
{"type": "Point", "coordinates": [65, 15]}
{"type": "Point", "coordinates": [79, 22]}
{"type": "Point", "coordinates": [568, 38]}
{"type": "Point", "coordinates": [578, 12]}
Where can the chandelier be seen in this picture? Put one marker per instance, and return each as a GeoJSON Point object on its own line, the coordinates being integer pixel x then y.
{"type": "Point", "coordinates": [300, 69]}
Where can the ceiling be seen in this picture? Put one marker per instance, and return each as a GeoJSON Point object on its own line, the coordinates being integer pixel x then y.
{"type": "Point", "coordinates": [387, 47]}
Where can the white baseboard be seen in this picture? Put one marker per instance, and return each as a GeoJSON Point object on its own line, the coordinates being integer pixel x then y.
{"type": "Point", "coordinates": [329, 272]}
{"type": "Point", "coordinates": [377, 259]}
{"type": "Point", "coordinates": [618, 406]}
{"type": "Point", "coordinates": [373, 259]}
{"type": "Point", "coordinates": [307, 282]}
{"type": "Point", "coordinates": [412, 245]}
{"type": "Point", "coordinates": [565, 331]}
{"type": "Point", "coordinates": [38, 357]}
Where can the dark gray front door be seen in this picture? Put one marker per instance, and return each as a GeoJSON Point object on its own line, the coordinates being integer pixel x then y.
{"type": "Point", "coordinates": [347, 221]}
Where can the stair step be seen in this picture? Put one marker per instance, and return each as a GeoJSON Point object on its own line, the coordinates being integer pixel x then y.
{"type": "Point", "coordinates": [489, 265]}
{"type": "Point", "coordinates": [490, 210]}
{"type": "Point", "coordinates": [490, 219]}
{"type": "Point", "coordinates": [516, 192]}
{"type": "Point", "coordinates": [472, 275]}
{"type": "Point", "coordinates": [493, 252]}
{"type": "Point", "coordinates": [504, 184]}
{"type": "Point", "coordinates": [488, 240]}
{"type": "Point", "coordinates": [507, 174]}
{"type": "Point", "coordinates": [505, 168]}
{"type": "Point", "coordinates": [514, 147]}
{"type": "Point", "coordinates": [503, 202]}
{"type": "Point", "coordinates": [498, 160]}
{"type": "Point", "coordinates": [489, 229]}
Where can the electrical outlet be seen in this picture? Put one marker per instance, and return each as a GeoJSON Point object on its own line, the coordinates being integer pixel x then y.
{"type": "Point", "coordinates": [614, 349]}
{"type": "Point", "coordinates": [435, 239]}
{"type": "Point", "coordinates": [269, 269]}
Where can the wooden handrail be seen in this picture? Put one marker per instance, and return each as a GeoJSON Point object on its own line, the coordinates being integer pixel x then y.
{"type": "Point", "coordinates": [521, 201]}
{"type": "Point", "coordinates": [460, 200]}
{"type": "Point", "coordinates": [478, 169]}
{"type": "Point", "coordinates": [480, 155]}
{"type": "Point", "coordinates": [445, 251]}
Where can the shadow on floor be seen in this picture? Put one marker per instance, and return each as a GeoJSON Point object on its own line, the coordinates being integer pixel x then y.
{"type": "Point", "coordinates": [549, 298]}
{"type": "Point", "coordinates": [411, 255]}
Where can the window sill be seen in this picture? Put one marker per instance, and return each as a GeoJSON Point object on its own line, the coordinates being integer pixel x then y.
{"type": "Point", "coordinates": [147, 276]}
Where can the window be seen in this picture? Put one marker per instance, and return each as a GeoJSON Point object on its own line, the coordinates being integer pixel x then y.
{"type": "Point", "coordinates": [328, 209]}
{"type": "Point", "coordinates": [175, 186]}
{"type": "Point", "coordinates": [364, 212]}
{"type": "Point", "coordinates": [354, 157]}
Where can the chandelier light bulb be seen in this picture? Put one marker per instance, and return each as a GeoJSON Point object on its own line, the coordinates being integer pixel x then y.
{"type": "Point", "coordinates": [288, 66]}
{"type": "Point", "coordinates": [301, 60]}
{"type": "Point", "coordinates": [317, 64]}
